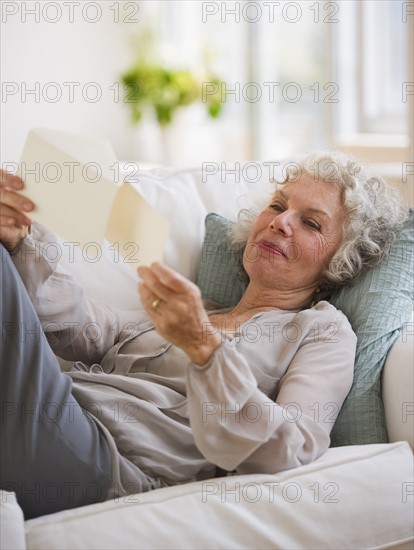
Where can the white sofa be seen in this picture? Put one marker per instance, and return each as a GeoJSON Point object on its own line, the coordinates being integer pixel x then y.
{"type": "Point", "coordinates": [359, 496]}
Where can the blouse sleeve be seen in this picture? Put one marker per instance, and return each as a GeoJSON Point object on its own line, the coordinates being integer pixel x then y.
{"type": "Point", "coordinates": [76, 327]}
{"type": "Point", "coordinates": [237, 427]}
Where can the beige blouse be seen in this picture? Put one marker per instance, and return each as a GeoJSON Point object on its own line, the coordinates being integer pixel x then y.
{"type": "Point", "coordinates": [266, 401]}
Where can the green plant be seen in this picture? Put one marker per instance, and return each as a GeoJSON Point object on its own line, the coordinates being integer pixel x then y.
{"type": "Point", "coordinates": [153, 86]}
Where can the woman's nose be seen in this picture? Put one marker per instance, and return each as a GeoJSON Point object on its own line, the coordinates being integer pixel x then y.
{"type": "Point", "coordinates": [282, 223]}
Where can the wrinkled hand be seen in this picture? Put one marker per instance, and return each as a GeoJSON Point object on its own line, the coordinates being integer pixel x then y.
{"type": "Point", "coordinates": [14, 223]}
{"type": "Point", "coordinates": [174, 305]}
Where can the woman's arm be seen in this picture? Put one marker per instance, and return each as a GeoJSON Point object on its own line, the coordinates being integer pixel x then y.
{"type": "Point", "coordinates": [237, 427]}
{"type": "Point", "coordinates": [76, 327]}
{"type": "Point", "coordinates": [222, 391]}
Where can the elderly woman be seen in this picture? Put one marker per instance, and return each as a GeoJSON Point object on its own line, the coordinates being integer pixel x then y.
{"type": "Point", "coordinates": [178, 393]}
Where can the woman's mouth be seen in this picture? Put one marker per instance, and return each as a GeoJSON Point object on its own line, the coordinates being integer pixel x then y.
{"type": "Point", "coordinates": [271, 248]}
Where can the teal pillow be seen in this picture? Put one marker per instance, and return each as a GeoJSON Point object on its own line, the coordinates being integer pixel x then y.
{"type": "Point", "coordinates": [377, 306]}
{"type": "Point", "coordinates": [220, 275]}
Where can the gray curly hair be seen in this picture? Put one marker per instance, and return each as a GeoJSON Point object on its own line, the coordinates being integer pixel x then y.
{"type": "Point", "coordinates": [375, 211]}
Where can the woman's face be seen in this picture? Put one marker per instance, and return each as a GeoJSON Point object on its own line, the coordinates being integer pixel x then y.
{"type": "Point", "coordinates": [294, 238]}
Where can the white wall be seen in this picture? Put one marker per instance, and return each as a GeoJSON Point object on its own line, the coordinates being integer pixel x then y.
{"type": "Point", "coordinates": [45, 44]}
{"type": "Point", "coordinates": [40, 52]}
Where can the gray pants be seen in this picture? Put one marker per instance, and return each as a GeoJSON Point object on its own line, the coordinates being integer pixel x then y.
{"type": "Point", "coordinates": [52, 454]}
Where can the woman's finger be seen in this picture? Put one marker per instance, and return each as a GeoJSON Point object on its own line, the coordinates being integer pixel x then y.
{"type": "Point", "coordinates": [10, 216]}
{"type": "Point", "coordinates": [11, 236]}
{"type": "Point", "coordinates": [146, 293]}
{"type": "Point", "coordinates": [154, 284]}
{"type": "Point", "coordinates": [170, 278]}
{"type": "Point", "coordinates": [10, 180]}
{"type": "Point", "coordinates": [15, 200]}
{"type": "Point", "coordinates": [150, 301]}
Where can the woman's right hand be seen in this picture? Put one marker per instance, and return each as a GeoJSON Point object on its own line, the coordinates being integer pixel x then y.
{"type": "Point", "coordinates": [14, 223]}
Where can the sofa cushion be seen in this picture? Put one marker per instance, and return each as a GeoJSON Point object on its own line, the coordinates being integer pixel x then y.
{"type": "Point", "coordinates": [313, 506]}
{"type": "Point", "coordinates": [378, 307]}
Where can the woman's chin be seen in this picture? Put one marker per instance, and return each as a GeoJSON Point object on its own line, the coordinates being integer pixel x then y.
{"type": "Point", "coordinates": [264, 269]}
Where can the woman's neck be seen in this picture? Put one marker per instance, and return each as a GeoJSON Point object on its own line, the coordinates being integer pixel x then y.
{"type": "Point", "coordinates": [257, 299]}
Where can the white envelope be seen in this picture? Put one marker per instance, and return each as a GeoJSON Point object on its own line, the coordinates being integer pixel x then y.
{"type": "Point", "coordinates": [72, 181]}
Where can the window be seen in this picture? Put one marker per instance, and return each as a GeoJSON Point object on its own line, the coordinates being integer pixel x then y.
{"type": "Point", "coordinates": [299, 75]}
{"type": "Point", "coordinates": [372, 64]}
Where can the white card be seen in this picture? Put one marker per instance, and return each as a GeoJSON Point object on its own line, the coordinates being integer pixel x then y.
{"type": "Point", "coordinates": [71, 181]}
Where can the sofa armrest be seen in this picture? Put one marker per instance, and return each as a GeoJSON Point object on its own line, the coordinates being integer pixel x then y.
{"type": "Point", "coordinates": [398, 388]}
{"type": "Point", "coordinates": [12, 530]}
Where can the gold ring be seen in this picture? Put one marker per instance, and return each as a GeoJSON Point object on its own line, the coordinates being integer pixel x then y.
{"type": "Point", "coordinates": [155, 303]}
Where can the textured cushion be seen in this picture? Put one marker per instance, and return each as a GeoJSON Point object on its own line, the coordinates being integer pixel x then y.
{"type": "Point", "coordinates": [220, 269]}
{"type": "Point", "coordinates": [377, 306]}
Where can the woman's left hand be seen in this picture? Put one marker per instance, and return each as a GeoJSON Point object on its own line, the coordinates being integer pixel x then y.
{"type": "Point", "coordinates": [175, 307]}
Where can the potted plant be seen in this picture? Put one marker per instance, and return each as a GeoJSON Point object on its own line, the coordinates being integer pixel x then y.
{"type": "Point", "coordinates": [165, 90]}
{"type": "Point", "coordinates": [154, 86]}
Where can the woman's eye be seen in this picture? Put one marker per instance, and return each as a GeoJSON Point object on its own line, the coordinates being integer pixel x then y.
{"type": "Point", "coordinates": [277, 207]}
{"type": "Point", "coordinates": [312, 224]}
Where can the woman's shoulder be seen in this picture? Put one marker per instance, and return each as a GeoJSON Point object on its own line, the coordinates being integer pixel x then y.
{"type": "Point", "coordinates": [325, 306]}
{"type": "Point", "coordinates": [325, 314]}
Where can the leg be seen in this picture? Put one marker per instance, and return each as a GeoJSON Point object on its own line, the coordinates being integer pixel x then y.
{"type": "Point", "coordinates": [52, 453]}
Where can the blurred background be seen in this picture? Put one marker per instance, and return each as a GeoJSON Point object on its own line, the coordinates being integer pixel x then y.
{"type": "Point", "coordinates": [186, 82]}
